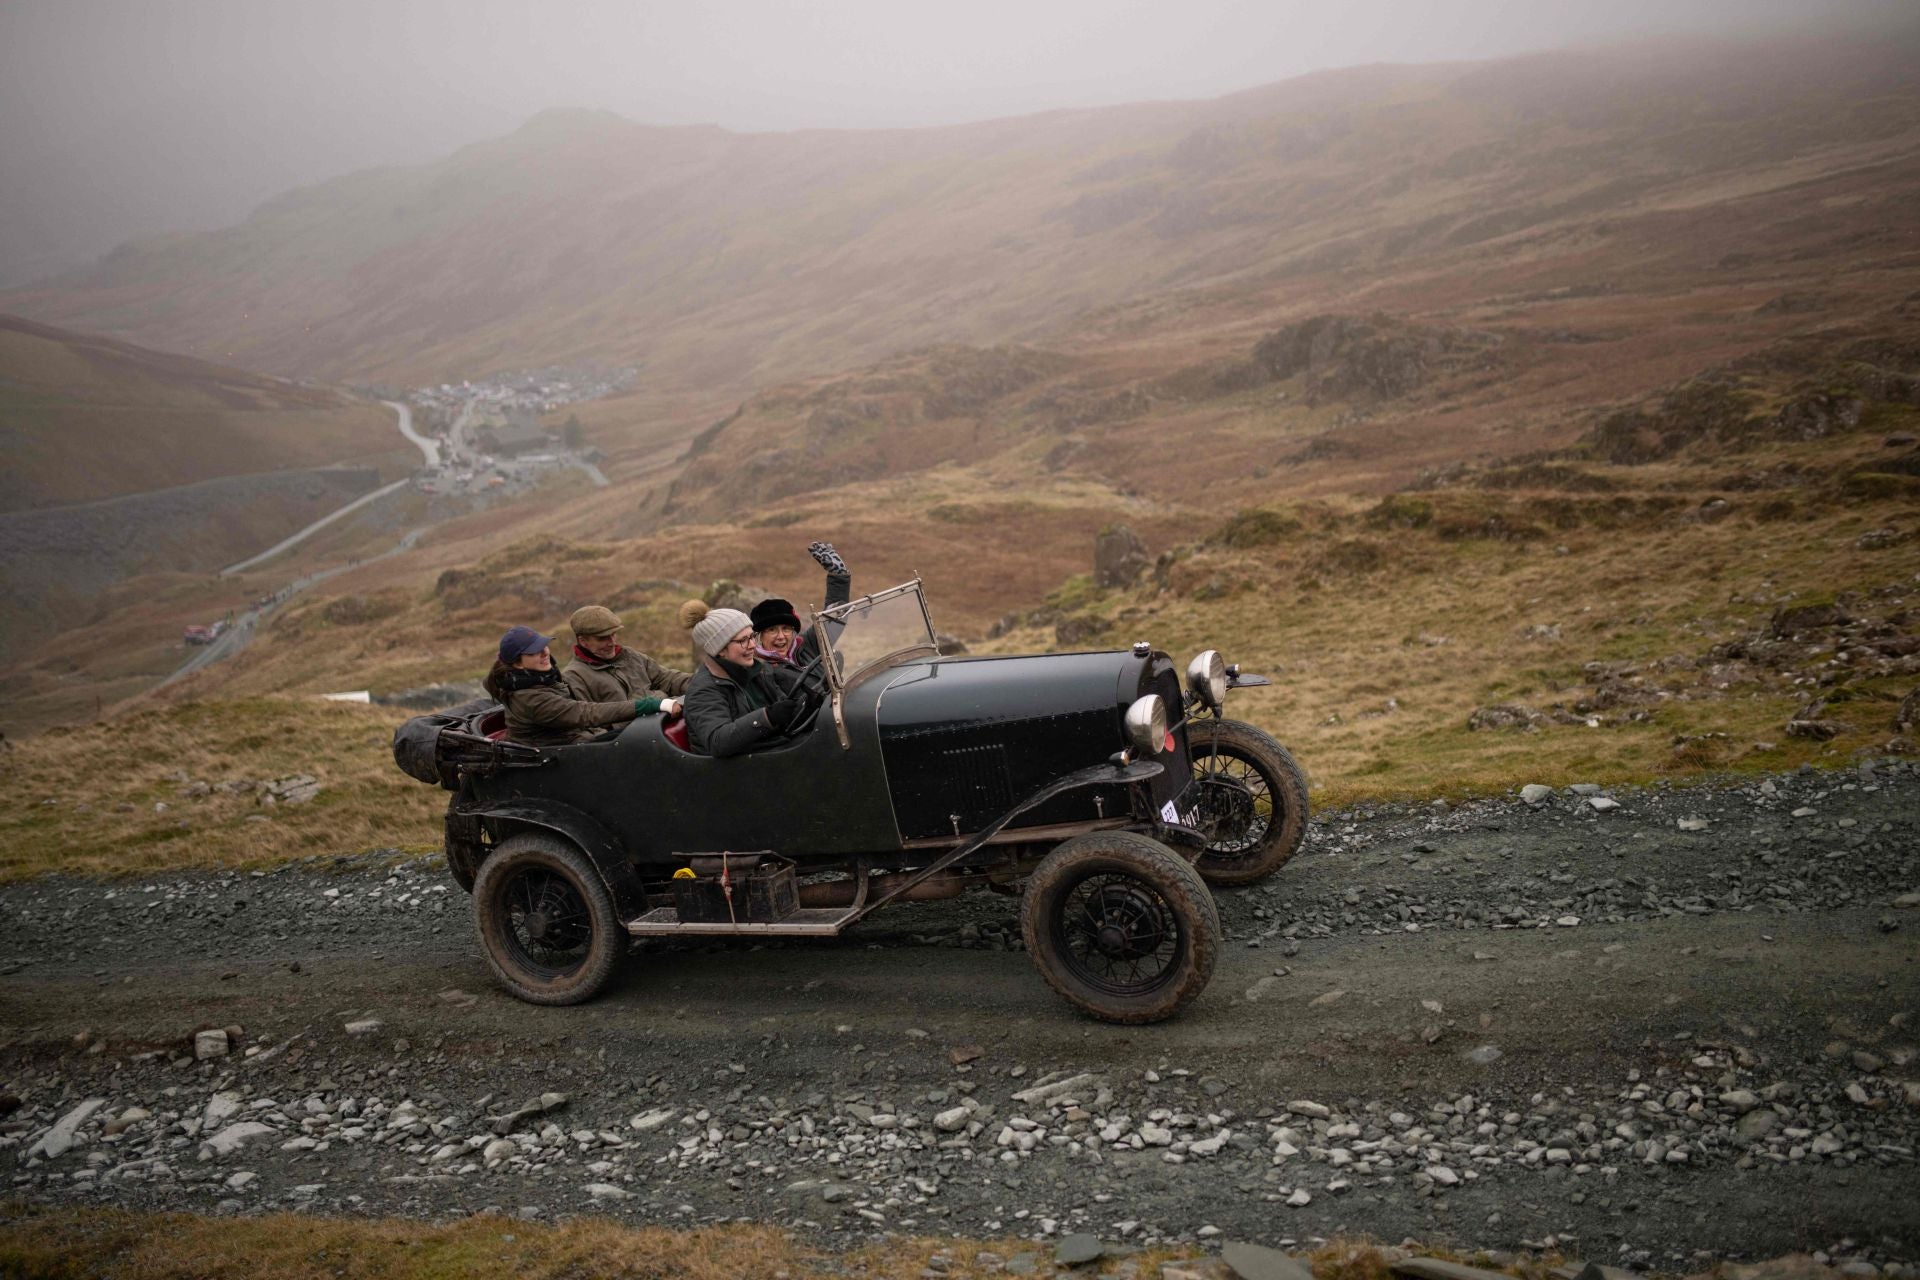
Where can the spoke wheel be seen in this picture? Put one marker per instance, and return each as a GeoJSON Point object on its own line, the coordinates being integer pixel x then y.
{"type": "Point", "coordinates": [547, 923]}
{"type": "Point", "coordinates": [1250, 799]}
{"type": "Point", "coordinates": [1121, 926]}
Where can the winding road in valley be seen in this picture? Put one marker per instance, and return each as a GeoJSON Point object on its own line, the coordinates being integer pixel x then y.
{"type": "Point", "coordinates": [429, 449]}
{"type": "Point", "coordinates": [237, 636]}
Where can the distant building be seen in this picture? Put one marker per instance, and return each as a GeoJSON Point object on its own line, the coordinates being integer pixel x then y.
{"type": "Point", "coordinates": [516, 430]}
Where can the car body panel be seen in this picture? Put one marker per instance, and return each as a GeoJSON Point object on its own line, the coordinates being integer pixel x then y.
{"type": "Point", "coordinates": [802, 798]}
{"type": "Point", "coordinates": [967, 738]}
{"type": "Point", "coordinates": [938, 748]}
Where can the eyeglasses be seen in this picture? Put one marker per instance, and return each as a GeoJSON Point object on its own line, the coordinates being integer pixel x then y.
{"type": "Point", "coordinates": [745, 637]}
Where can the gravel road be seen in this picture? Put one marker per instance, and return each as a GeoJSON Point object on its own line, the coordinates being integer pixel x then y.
{"type": "Point", "coordinates": [1649, 1027]}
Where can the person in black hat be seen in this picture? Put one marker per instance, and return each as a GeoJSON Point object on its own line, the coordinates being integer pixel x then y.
{"type": "Point", "coordinates": [541, 709]}
{"type": "Point", "coordinates": [778, 637]}
{"type": "Point", "coordinates": [776, 631]}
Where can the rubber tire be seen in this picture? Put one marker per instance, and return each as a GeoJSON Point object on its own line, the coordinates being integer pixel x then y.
{"type": "Point", "coordinates": [1160, 869]}
{"type": "Point", "coordinates": [1286, 785]}
{"type": "Point", "coordinates": [606, 949]}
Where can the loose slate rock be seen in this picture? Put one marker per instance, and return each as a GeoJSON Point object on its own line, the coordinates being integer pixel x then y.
{"type": "Point", "coordinates": [1257, 1262]}
{"type": "Point", "coordinates": [1437, 1269]}
{"type": "Point", "coordinates": [1078, 1249]}
{"type": "Point", "coordinates": [59, 1139]}
{"type": "Point", "coordinates": [236, 1136]}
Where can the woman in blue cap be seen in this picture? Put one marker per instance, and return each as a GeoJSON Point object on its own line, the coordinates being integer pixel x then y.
{"type": "Point", "coordinates": [541, 709]}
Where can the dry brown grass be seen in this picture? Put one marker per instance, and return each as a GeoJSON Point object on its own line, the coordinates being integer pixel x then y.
{"type": "Point", "coordinates": [1361, 1258]}
{"type": "Point", "coordinates": [108, 798]}
{"type": "Point", "coordinates": [72, 1243]}
{"type": "Point", "coordinates": [68, 1244]}
{"type": "Point", "coordinates": [76, 1243]}
{"type": "Point", "coordinates": [1379, 660]}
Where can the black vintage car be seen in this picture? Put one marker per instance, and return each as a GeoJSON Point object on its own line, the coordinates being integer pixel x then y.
{"type": "Point", "coordinates": [1093, 783]}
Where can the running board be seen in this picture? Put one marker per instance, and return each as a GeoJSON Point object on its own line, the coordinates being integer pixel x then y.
{"type": "Point", "coordinates": [816, 922]}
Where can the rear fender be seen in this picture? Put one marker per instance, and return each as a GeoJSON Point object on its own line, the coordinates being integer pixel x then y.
{"type": "Point", "coordinates": [592, 839]}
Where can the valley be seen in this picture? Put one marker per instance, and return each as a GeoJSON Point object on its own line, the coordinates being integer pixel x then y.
{"type": "Point", "coordinates": [1549, 420]}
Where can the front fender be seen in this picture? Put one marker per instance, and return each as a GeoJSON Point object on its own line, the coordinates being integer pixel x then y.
{"type": "Point", "coordinates": [587, 833]}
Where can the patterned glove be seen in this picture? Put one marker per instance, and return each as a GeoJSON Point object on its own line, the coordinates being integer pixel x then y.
{"type": "Point", "coordinates": [827, 558]}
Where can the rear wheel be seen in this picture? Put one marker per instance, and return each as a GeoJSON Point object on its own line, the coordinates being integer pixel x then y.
{"type": "Point", "coordinates": [548, 925]}
{"type": "Point", "coordinates": [1121, 926]}
{"type": "Point", "coordinates": [1252, 801]}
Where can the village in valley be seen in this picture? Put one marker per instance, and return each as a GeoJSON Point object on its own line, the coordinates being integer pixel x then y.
{"type": "Point", "coordinates": [490, 433]}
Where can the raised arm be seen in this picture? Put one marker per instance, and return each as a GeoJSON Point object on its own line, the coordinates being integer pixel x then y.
{"type": "Point", "coordinates": [839, 577]}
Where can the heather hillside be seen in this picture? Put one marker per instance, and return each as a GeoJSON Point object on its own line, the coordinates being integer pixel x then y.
{"type": "Point", "coordinates": [729, 262]}
{"type": "Point", "coordinates": [85, 418]}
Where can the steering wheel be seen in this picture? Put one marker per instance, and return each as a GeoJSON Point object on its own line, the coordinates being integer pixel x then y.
{"type": "Point", "coordinates": [812, 689]}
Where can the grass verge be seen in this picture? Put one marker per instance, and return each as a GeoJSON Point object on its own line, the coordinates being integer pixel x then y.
{"type": "Point", "coordinates": [181, 786]}
{"type": "Point", "coordinates": [69, 1244]}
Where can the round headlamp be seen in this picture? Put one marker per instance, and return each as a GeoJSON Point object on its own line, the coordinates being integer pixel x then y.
{"type": "Point", "coordinates": [1207, 677]}
{"type": "Point", "coordinates": [1147, 725]}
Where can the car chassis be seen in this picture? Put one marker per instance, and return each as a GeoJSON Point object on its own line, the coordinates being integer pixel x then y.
{"type": "Point", "coordinates": [1091, 784]}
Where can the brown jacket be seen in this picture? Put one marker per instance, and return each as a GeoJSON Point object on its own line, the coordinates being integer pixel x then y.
{"type": "Point", "coordinates": [546, 716]}
{"type": "Point", "coordinates": [631, 674]}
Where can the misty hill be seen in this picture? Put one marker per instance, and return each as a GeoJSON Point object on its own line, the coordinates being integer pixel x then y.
{"type": "Point", "coordinates": [85, 418]}
{"type": "Point", "coordinates": [732, 261]}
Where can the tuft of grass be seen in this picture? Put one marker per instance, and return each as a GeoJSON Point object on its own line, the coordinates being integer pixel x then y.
{"type": "Point", "coordinates": [1362, 1258]}
{"type": "Point", "coordinates": [1259, 527]}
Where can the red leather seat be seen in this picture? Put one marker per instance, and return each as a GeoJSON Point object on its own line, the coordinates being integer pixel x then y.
{"type": "Point", "coordinates": [676, 732]}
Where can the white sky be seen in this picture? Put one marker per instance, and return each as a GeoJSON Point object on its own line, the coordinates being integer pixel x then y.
{"type": "Point", "coordinates": [123, 117]}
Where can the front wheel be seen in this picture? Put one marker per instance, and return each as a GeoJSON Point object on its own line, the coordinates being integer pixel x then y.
{"type": "Point", "coordinates": [548, 925]}
{"type": "Point", "coordinates": [1121, 926]}
{"type": "Point", "coordinates": [1252, 801]}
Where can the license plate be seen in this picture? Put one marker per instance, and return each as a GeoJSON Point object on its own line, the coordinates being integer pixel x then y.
{"type": "Point", "coordinates": [1170, 813]}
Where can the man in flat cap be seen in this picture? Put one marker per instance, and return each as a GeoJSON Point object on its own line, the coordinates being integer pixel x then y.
{"type": "Point", "coordinates": [604, 670]}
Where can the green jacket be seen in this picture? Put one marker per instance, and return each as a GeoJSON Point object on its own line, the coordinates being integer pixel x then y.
{"type": "Point", "coordinates": [631, 674]}
{"type": "Point", "coordinates": [547, 715]}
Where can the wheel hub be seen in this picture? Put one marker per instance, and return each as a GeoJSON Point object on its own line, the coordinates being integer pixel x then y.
{"type": "Point", "coordinates": [1128, 924]}
{"type": "Point", "coordinates": [1227, 804]}
{"type": "Point", "coordinates": [536, 925]}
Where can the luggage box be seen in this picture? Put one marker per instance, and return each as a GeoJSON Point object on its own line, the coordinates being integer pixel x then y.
{"type": "Point", "coordinates": [764, 890]}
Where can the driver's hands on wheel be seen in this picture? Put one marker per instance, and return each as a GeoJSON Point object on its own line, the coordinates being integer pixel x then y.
{"type": "Point", "coordinates": [782, 714]}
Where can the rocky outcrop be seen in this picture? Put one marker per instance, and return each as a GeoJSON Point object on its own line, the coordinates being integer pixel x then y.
{"type": "Point", "coordinates": [1347, 358]}
{"type": "Point", "coordinates": [1119, 557]}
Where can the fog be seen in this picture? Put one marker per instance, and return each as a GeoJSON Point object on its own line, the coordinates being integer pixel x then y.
{"type": "Point", "coordinates": [130, 117]}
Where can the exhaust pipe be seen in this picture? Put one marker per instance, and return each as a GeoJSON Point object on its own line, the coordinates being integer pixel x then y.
{"type": "Point", "coordinates": [840, 893]}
